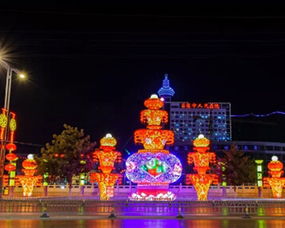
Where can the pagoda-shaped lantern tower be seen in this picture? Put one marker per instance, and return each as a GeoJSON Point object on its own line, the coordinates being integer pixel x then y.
{"type": "Point", "coordinates": [106, 155]}
{"type": "Point", "coordinates": [201, 159]}
{"type": "Point", "coordinates": [153, 168]}
{"type": "Point", "coordinates": [275, 181]}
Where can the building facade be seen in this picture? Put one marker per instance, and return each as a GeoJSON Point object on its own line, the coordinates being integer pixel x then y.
{"type": "Point", "coordinates": [189, 119]}
{"type": "Point", "coordinates": [212, 119]}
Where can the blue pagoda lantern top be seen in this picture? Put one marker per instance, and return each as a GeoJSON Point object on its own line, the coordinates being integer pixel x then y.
{"type": "Point", "coordinates": [165, 90]}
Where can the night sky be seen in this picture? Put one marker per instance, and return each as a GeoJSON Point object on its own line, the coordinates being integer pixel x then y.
{"type": "Point", "coordinates": [91, 66]}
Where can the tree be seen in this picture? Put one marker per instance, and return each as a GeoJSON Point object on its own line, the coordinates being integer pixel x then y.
{"type": "Point", "coordinates": [239, 168]}
{"type": "Point", "coordinates": [67, 155]}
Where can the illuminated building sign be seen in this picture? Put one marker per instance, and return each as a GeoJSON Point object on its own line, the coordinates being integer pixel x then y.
{"type": "Point", "coordinates": [200, 105]}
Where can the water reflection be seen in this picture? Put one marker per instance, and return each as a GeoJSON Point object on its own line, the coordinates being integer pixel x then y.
{"type": "Point", "coordinates": [143, 223]}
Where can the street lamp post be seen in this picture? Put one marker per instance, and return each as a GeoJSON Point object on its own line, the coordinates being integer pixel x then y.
{"type": "Point", "coordinates": [10, 71]}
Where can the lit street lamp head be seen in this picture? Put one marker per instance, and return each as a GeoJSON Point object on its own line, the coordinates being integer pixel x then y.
{"type": "Point", "coordinates": [22, 75]}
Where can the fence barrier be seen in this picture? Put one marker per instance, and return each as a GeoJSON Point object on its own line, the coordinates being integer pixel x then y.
{"type": "Point", "coordinates": [147, 208]}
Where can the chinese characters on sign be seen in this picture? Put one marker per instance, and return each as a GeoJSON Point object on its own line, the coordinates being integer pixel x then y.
{"type": "Point", "coordinates": [200, 105]}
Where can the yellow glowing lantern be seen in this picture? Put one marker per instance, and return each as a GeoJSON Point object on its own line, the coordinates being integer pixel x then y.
{"type": "Point", "coordinates": [201, 141]}
{"type": "Point", "coordinates": [153, 102]}
{"type": "Point", "coordinates": [108, 140]}
{"type": "Point", "coordinates": [29, 163]}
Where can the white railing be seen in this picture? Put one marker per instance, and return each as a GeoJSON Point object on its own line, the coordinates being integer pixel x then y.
{"type": "Point", "coordinates": [129, 188]}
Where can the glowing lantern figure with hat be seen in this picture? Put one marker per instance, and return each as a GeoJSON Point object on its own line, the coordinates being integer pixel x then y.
{"type": "Point", "coordinates": [106, 155]}
{"type": "Point", "coordinates": [201, 160]}
{"type": "Point", "coordinates": [276, 182]}
{"type": "Point", "coordinates": [28, 181]}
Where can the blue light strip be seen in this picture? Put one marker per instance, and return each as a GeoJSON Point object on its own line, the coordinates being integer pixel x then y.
{"type": "Point", "coordinates": [260, 115]}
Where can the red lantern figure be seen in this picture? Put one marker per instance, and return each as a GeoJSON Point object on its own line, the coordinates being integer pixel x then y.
{"type": "Point", "coordinates": [11, 157]}
{"type": "Point", "coordinates": [11, 147]}
{"type": "Point", "coordinates": [153, 138]}
{"type": "Point", "coordinates": [276, 182]}
{"type": "Point", "coordinates": [10, 167]}
{"type": "Point", "coordinates": [28, 181]}
{"type": "Point", "coordinates": [107, 156]}
{"type": "Point", "coordinates": [201, 160]}
{"type": "Point", "coordinates": [29, 164]}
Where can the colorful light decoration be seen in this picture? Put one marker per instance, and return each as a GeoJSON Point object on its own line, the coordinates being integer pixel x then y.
{"type": "Point", "coordinates": [106, 156]}
{"type": "Point", "coordinates": [11, 157]}
{"type": "Point", "coordinates": [153, 168]}
{"type": "Point", "coordinates": [276, 182]}
{"type": "Point", "coordinates": [259, 172]}
{"type": "Point", "coordinates": [201, 160]}
{"type": "Point", "coordinates": [28, 181]}
{"type": "Point", "coordinates": [3, 123]}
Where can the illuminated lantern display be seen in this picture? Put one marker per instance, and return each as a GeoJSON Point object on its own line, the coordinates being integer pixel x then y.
{"type": "Point", "coordinates": [28, 181]}
{"type": "Point", "coordinates": [201, 159]}
{"type": "Point", "coordinates": [107, 156]}
{"type": "Point", "coordinates": [276, 182]}
{"type": "Point", "coordinates": [11, 157]}
{"type": "Point", "coordinates": [3, 123]}
{"type": "Point", "coordinates": [10, 167]}
{"type": "Point", "coordinates": [153, 168]}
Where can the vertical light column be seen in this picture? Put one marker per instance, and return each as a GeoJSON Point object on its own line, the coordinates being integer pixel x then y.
{"type": "Point", "coordinates": [223, 175]}
{"type": "Point", "coordinates": [259, 171]}
{"type": "Point", "coordinates": [45, 179]}
{"type": "Point", "coordinates": [82, 179]}
{"type": "Point", "coordinates": [12, 147]}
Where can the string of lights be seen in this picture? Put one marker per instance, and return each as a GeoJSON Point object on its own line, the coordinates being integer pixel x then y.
{"type": "Point", "coordinates": [260, 115]}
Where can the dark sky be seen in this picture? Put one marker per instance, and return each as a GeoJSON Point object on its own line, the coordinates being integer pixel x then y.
{"type": "Point", "coordinates": [92, 65]}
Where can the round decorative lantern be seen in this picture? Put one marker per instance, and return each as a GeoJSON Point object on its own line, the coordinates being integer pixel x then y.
{"type": "Point", "coordinates": [108, 140]}
{"type": "Point", "coordinates": [10, 167]}
{"type": "Point", "coordinates": [13, 124]}
{"type": "Point", "coordinates": [29, 163]}
{"type": "Point", "coordinates": [153, 102]}
{"type": "Point", "coordinates": [11, 147]}
{"type": "Point", "coordinates": [275, 166]}
{"type": "Point", "coordinates": [153, 168]}
{"type": "Point", "coordinates": [11, 157]}
{"type": "Point", "coordinates": [3, 120]}
{"type": "Point", "coordinates": [201, 141]}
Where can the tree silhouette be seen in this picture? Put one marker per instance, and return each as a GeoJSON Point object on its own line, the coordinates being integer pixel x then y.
{"type": "Point", "coordinates": [67, 155]}
{"type": "Point", "coordinates": [239, 168]}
